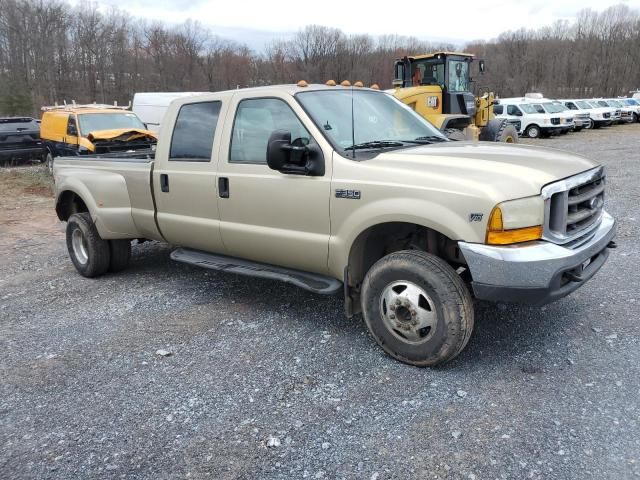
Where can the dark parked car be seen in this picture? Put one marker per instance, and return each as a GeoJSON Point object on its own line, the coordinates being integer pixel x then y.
{"type": "Point", "coordinates": [20, 140]}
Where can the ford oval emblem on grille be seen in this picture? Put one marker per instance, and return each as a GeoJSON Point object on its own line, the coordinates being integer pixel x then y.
{"type": "Point", "coordinates": [593, 203]}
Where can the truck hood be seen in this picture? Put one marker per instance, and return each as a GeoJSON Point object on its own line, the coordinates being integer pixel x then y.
{"type": "Point", "coordinates": [124, 134]}
{"type": "Point", "coordinates": [501, 170]}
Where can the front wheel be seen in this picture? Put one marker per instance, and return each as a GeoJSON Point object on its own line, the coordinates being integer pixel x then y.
{"type": "Point", "coordinates": [589, 125]}
{"type": "Point", "coordinates": [417, 308]}
{"type": "Point", "coordinates": [89, 253]}
{"type": "Point", "coordinates": [499, 130]}
{"type": "Point", "coordinates": [636, 118]}
{"type": "Point", "coordinates": [533, 131]}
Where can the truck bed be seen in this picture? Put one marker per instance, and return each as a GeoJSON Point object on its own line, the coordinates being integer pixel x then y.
{"type": "Point", "coordinates": [121, 186]}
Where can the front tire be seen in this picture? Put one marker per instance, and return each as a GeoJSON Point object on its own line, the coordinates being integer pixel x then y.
{"type": "Point", "coordinates": [499, 130]}
{"type": "Point", "coordinates": [417, 308]}
{"type": "Point", "coordinates": [533, 131]}
{"type": "Point", "coordinates": [89, 253]}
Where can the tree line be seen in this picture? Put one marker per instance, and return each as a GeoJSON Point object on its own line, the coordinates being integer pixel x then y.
{"type": "Point", "coordinates": [51, 51]}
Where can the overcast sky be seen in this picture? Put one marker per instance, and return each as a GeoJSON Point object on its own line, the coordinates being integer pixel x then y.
{"type": "Point", "coordinates": [457, 21]}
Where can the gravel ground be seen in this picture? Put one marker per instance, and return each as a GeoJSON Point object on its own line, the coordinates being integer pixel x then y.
{"type": "Point", "coordinates": [268, 381]}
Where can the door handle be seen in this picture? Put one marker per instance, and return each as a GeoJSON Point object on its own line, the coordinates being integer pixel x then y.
{"type": "Point", "coordinates": [223, 187]}
{"type": "Point", "coordinates": [164, 182]}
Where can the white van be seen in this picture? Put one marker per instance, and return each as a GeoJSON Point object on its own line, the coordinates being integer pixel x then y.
{"type": "Point", "coordinates": [616, 116]}
{"type": "Point", "coordinates": [634, 105]}
{"type": "Point", "coordinates": [598, 116]}
{"type": "Point", "coordinates": [625, 110]}
{"type": "Point", "coordinates": [533, 123]}
{"type": "Point", "coordinates": [151, 106]}
{"type": "Point", "coordinates": [545, 105]}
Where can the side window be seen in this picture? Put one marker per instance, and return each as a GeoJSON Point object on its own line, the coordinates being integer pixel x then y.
{"type": "Point", "coordinates": [193, 133]}
{"type": "Point", "coordinates": [498, 109]}
{"type": "Point", "coordinates": [539, 108]}
{"type": "Point", "coordinates": [256, 119]}
{"type": "Point", "coordinates": [571, 106]}
{"type": "Point", "coordinates": [72, 129]}
{"type": "Point", "coordinates": [513, 110]}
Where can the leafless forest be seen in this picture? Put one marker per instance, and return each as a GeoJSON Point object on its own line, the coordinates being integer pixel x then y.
{"type": "Point", "coordinates": [51, 51]}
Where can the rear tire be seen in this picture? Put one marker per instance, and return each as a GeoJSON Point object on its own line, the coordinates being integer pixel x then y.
{"type": "Point", "coordinates": [417, 308]}
{"type": "Point", "coordinates": [89, 253]}
{"type": "Point", "coordinates": [120, 253]}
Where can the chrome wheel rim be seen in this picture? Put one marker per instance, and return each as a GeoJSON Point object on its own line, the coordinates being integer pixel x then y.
{"type": "Point", "coordinates": [408, 312]}
{"type": "Point", "coordinates": [79, 245]}
{"type": "Point", "coordinates": [533, 133]}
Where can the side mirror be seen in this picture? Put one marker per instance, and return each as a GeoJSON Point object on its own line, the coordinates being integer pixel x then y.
{"type": "Point", "coordinates": [481, 66]}
{"type": "Point", "coordinates": [295, 158]}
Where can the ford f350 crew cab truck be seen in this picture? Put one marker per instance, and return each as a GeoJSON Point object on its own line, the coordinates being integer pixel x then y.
{"type": "Point", "coordinates": [347, 190]}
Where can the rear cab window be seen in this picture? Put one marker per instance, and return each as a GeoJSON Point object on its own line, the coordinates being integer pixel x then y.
{"type": "Point", "coordinates": [194, 131]}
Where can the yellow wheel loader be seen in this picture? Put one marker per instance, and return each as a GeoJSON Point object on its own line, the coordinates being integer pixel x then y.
{"type": "Point", "coordinates": [438, 87]}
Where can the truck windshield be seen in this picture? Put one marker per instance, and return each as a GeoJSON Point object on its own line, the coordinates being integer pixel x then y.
{"type": "Point", "coordinates": [379, 120]}
{"type": "Point", "coordinates": [553, 107]}
{"type": "Point", "coordinates": [584, 105]}
{"type": "Point", "coordinates": [93, 122]}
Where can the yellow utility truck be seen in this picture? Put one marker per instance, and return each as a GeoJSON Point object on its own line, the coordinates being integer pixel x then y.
{"type": "Point", "coordinates": [438, 87]}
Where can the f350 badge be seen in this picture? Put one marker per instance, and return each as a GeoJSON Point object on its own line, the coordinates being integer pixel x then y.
{"type": "Point", "coordinates": [350, 194]}
{"type": "Point", "coordinates": [475, 217]}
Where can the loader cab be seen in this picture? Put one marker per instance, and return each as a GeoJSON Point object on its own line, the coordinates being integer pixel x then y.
{"type": "Point", "coordinates": [448, 72]}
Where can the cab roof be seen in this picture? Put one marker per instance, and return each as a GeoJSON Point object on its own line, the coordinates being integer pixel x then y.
{"type": "Point", "coordinates": [291, 89]}
{"type": "Point", "coordinates": [431, 55]}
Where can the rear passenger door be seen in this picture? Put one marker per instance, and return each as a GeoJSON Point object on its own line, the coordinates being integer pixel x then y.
{"type": "Point", "coordinates": [184, 178]}
{"type": "Point", "coordinates": [268, 216]}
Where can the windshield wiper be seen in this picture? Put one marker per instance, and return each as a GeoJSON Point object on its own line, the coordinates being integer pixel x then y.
{"type": "Point", "coordinates": [429, 139]}
{"type": "Point", "coordinates": [375, 144]}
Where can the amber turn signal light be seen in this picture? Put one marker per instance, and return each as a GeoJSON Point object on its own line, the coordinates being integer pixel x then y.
{"type": "Point", "coordinates": [497, 235]}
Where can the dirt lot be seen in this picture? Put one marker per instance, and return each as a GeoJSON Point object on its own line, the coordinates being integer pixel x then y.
{"type": "Point", "coordinates": [547, 392]}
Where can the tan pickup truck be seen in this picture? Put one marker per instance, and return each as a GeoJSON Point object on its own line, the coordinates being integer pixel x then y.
{"type": "Point", "coordinates": [347, 190]}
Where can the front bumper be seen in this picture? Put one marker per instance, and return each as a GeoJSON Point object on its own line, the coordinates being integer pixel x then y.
{"type": "Point", "coordinates": [537, 272]}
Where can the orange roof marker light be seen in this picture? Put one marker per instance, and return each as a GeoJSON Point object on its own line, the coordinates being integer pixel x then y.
{"type": "Point", "coordinates": [331, 83]}
{"type": "Point", "coordinates": [375, 86]}
{"type": "Point", "coordinates": [345, 83]}
{"type": "Point", "coordinates": [302, 83]}
{"type": "Point", "coordinates": [358, 84]}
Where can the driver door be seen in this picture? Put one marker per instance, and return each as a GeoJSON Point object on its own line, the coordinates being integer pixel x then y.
{"type": "Point", "coordinates": [268, 216]}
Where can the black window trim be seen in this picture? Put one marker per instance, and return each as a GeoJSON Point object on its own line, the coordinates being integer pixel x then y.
{"type": "Point", "coordinates": [235, 117]}
{"type": "Point", "coordinates": [173, 131]}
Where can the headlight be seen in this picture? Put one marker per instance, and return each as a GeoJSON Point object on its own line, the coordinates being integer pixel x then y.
{"type": "Point", "coordinates": [516, 221]}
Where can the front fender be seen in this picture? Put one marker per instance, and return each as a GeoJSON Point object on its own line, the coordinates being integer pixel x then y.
{"type": "Point", "coordinates": [106, 196]}
{"type": "Point", "coordinates": [440, 218]}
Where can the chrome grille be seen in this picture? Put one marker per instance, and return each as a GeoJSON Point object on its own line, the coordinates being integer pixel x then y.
{"type": "Point", "coordinates": [555, 121]}
{"type": "Point", "coordinates": [606, 115]}
{"type": "Point", "coordinates": [573, 207]}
